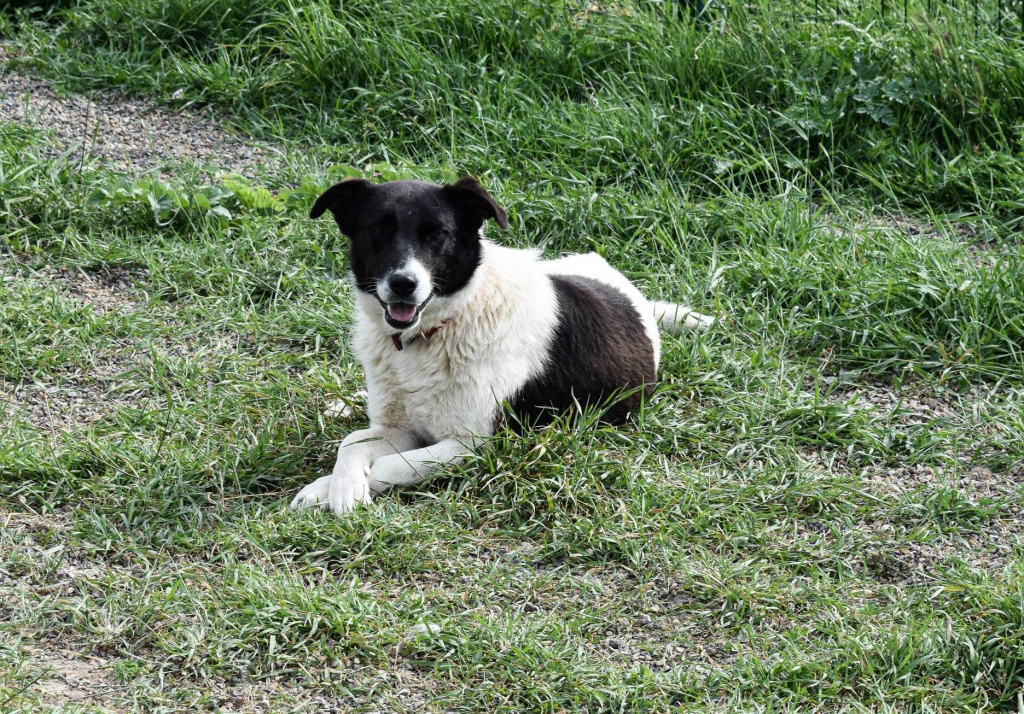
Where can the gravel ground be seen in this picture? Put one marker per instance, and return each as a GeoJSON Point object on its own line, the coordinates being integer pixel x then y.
{"type": "Point", "coordinates": [915, 409]}
{"type": "Point", "coordinates": [131, 135]}
{"type": "Point", "coordinates": [77, 398]}
{"type": "Point", "coordinates": [74, 396]}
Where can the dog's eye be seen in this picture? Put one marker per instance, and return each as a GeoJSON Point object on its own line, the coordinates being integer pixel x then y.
{"type": "Point", "coordinates": [433, 233]}
{"type": "Point", "coordinates": [377, 231]}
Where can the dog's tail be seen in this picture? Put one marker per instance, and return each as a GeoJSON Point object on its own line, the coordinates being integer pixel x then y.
{"type": "Point", "coordinates": [676, 318]}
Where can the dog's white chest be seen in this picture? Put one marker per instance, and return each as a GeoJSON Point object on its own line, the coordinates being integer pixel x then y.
{"type": "Point", "coordinates": [432, 389]}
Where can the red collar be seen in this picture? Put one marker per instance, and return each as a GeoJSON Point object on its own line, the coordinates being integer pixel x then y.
{"type": "Point", "coordinates": [397, 339]}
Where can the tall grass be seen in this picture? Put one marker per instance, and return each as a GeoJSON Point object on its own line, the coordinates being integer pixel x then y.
{"type": "Point", "coordinates": [923, 113]}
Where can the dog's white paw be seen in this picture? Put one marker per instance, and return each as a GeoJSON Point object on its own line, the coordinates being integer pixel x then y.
{"type": "Point", "coordinates": [312, 496]}
{"type": "Point", "coordinates": [340, 493]}
{"type": "Point", "coordinates": [389, 471]}
{"type": "Point", "coordinates": [348, 491]}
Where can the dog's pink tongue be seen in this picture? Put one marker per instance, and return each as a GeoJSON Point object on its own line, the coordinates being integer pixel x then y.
{"type": "Point", "coordinates": [401, 312]}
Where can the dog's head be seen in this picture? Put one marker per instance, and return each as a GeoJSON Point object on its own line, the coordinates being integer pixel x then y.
{"type": "Point", "coordinates": [410, 241]}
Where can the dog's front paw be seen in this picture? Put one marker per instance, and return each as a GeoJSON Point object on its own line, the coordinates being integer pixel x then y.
{"type": "Point", "coordinates": [312, 496]}
{"type": "Point", "coordinates": [347, 491]}
{"type": "Point", "coordinates": [340, 493]}
{"type": "Point", "coordinates": [390, 471]}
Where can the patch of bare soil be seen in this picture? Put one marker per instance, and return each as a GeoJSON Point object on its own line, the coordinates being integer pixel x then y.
{"type": "Point", "coordinates": [60, 677]}
{"type": "Point", "coordinates": [63, 678]}
{"type": "Point", "coordinates": [130, 135]}
{"type": "Point", "coordinates": [74, 397]}
{"type": "Point", "coordinates": [77, 397]}
{"type": "Point", "coordinates": [914, 410]}
{"type": "Point", "coordinates": [112, 289]}
{"type": "Point", "coordinates": [67, 673]}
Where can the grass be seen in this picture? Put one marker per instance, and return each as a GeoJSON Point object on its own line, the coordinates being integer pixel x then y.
{"type": "Point", "coordinates": [819, 510]}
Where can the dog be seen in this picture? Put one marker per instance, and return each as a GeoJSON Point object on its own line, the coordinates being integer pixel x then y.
{"type": "Point", "coordinates": [453, 331]}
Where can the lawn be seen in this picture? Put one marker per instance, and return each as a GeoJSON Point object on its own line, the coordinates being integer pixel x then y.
{"type": "Point", "coordinates": [820, 509]}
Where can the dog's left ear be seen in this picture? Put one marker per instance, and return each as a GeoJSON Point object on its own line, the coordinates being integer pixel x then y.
{"type": "Point", "coordinates": [342, 199]}
{"type": "Point", "coordinates": [468, 194]}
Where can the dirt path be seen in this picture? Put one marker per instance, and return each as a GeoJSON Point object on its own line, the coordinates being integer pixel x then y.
{"type": "Point", "coordinates": [128, 134]}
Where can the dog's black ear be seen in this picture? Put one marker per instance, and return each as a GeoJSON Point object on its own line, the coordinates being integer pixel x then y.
{"type": "Point", "coordinates": [341, 199]}
{"type": "Point", "coordinates": [471, 196]}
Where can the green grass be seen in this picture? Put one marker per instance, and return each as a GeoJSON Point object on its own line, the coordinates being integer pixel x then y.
{"type": "Point", "coordinates": [762, 538]}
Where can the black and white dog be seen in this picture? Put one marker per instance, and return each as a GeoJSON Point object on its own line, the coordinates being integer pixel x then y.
{"type": "Point", "coordinates": [451, 327]}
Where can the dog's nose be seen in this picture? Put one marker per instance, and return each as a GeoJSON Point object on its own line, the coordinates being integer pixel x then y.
{"type": "Point", "coordinates": [403, 285]}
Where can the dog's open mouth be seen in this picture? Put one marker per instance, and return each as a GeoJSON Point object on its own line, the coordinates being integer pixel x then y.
{"type": "Point", "coordinates": [402, 315]}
